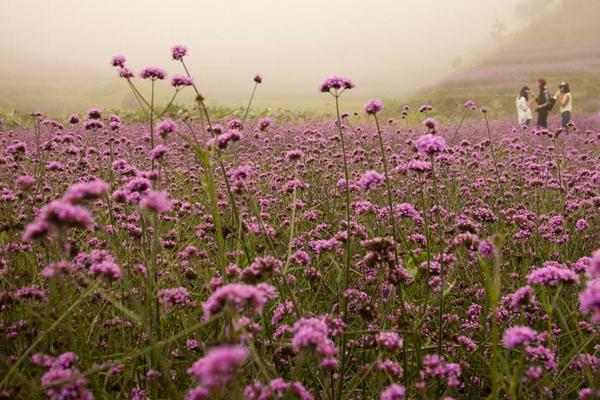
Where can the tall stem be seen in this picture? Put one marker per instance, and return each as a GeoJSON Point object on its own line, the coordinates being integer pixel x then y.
{"type": "Point", "coordinates": [394, 231]}
{"type": "Point", "coordinates": [152, 122]}
{"type": "Point", "coordinates": [494, 159]}
{"type": "Point", "coordinates": [346, 279]}
{"type": "Point", "coordinates": [443, 280]}
{"type": "Point", "coordinates": [250, 101]}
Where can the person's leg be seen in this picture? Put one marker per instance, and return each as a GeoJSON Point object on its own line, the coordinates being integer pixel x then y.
{"type": "Point", "coordinates": [528, 122]}
{"type": "Point", "coordinates": [566, 117]}
{"type": "Point", "coordinates": [542, 121]}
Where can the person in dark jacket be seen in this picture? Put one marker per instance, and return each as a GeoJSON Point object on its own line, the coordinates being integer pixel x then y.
{"type": "Point", "coordinates": [543, 104]}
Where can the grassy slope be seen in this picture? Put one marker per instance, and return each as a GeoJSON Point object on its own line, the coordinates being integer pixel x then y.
{"type": "Point", "coordinates": [538, 51]}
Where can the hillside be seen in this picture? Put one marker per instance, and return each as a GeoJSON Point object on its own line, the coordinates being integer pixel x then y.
{"type": "Point", "coordinates": [562, 45]}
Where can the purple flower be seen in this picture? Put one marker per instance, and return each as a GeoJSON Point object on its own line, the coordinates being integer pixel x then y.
{"type": "Point", "coordinates": [118, 61]}
{"type": "Point", "coordinates": [593, 270]}
{"type": "Point", "coordinates": [425, 108]}
{"type": "Point", "coordinates": [589, 300]}
{"type": "Point", "coordinates": [235, 123]}
{"type": "Point", "coordinates": [419, 166]}
{"type": "Point", "coordinates": [431, 144]}
{"type": "Point", "coordinates": [294, 155]}
{"type": "Point", "coordinates": [157, 202]}
{"type": "Point", "coordinates": [81, 192]}
{"type": "Point", "coordinates": [74, 119]}
{"type": "Point", "coordinates": [264, 123]}
{"type": "Point", "coordinates": [336, 83]}
{"type": "Point", "coordinates": [94, 113]}
{"type": "Point", "coordinates": [393, 392]}
{"type": "Point", "coordinates": [521, 297]}
{"type": "Point", "coordinates": [486, 249]}
{"type": "Point", "coordinates": [174, 297]}
{"type": "Point", "coordinates": [107, 270]}
{"type": "Point", "coordinates": [373, 106]}
{"type": "Point", "coordinates": [217, 368]}
{"type": "Point", "coordinates": [312, 334]}
{"type": "Point", "coordinates": [389, 341]}
{"type": "Point", "coordinates": [25, 182]}
{"type": "Point", "coordinates": [551, 275]}
{"type": "Point", "coordinates": [60, 267]}
{"type": "Point", "coordinates": [125, 72]}
{"type": "Point", "coordinates": [430, 123]}
{"type": "Point", "coordinates": [153, 73]}
{"type": "Point", "coordinates": [518, 335]}
{"type": "Point", "coordinates": [93, 124]}
{"type": "Point", "coordinates": [165, 127]}
{"type": "Point", "coordinates": [158, 152]}
{"type": "Point", "coordinates": [370, 180]}
{"type": "Point", "coordinates": [238, 297]}
{"type": "Point", "coordinates": [181, 80]}
{"type": "Point", "coordinates": [258, 78]}
{"type": "Point", "coordinates": [67, 383]}
{"type": "Point", "coordinates": [197, 393]}
{"type": "Point", "coordinates": [178, 52]}
{"type": "Point", "coordinates": [56, 216]}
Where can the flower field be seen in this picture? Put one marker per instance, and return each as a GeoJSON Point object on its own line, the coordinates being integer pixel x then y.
{"type": "Point", "coordinates": [353, 258]}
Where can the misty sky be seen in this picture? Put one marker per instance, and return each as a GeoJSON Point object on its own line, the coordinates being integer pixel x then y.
{"type": "Point", "coordinates": [388, 47]}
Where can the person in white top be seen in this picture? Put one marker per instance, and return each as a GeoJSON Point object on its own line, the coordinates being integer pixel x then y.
{"type": "Point", "coordinates": [565, 99]}
{"type": "Point", "coordinates": [524, 114]}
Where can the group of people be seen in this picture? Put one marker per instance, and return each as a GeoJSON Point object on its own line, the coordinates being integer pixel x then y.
{"type": "Point", "coordinates": [543, 103]}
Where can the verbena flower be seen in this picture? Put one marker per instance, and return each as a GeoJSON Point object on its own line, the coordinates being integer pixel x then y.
{"type": "Point", "coordinates": [166, 127]}
{"type": "Point", "coordinates": [312, 334]}
{"type": "Point", "coordinates": [517, 336]}
{"type": "Point", "coordinates": [430, 123]}
{"type": "Point", "coordinates": [153, 73]}
{"type": "Point", "coordinates": [181, 80]}
{"type": "Point", "coordinates": [393, 392]}
{"type": "Point", "coordinates": [178, 51]}
{"type": "Point", "coordinates": [118, 61]}
{"type": "Point", "coordinates": [430, 144]}
{"type": "Point", "coordinates": [56, 217]}
{"type": "Point", "coordinates": [370, 180]}
{"type": "Point", "coordinates": [175, 297]}
{"type": "Point", "coordinates": [373, 106]}
{"type": "Point", "coordinates": [106, 270]}
{"type": "Point", "coordinates": [157, 202]}
{"type": "Point", "coordinates": [87, 191]}
{"type": "Point", "coordinates": [238, 297]}
{"type": "Point", "coordinates": [94, 113]}
{"type": "Point", "coordinates": [218, 367]}
{"type": "Point", "coordinates": [551, 275]}
{"type": "Point", "coordinates": [589, 300]}
{"type": "Point", "coordinates": [389, 341]}
{"type": "Point", "coordinates": [264, 123]}
{"type": "Point", "coordinates": [335, 83]}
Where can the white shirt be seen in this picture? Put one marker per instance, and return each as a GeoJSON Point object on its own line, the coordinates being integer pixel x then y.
{"type": "Point", "coordinates": [569, 105]}
{"type": "Point", "coordinates": [523, 110]}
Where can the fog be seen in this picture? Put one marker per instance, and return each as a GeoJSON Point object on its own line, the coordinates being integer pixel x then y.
{"type": "Point", "coordinates": [56, 52]}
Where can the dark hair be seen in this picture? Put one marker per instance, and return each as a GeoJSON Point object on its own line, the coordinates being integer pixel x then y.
{"type": "Point", "coordinates": [564, 87]}
{"type": "Point", "coordinates": [523, 92]}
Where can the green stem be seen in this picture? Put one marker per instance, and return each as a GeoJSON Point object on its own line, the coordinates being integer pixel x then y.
{"type": "Point", "coordinates": [346, 279]}
{"type": "Point", "coordinates": [250, 102]}
{"type": "Point", "coordinates": [43, 336]}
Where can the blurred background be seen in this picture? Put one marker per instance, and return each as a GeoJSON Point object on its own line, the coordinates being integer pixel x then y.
{"type": "Point", "coordinates": [55, 54]}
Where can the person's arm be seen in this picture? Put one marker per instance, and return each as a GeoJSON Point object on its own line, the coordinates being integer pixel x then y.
{"type": "Point", "coordinates": [545, 103]}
